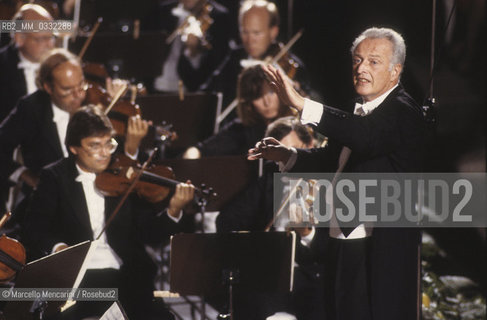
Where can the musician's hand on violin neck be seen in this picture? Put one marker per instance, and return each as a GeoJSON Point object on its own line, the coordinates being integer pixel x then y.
{"type": "Point", "coordinates": [183, 195]}
{"type": "Point", "coordinates": [115, 85]}
{"type": "Point", "coordinates": [137, 129]}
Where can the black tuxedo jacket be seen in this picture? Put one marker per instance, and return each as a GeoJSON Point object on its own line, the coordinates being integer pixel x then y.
{"type": "Point", "coordinates": [12, 80]}
{"type": "Point", "coordinates": [57, 212]}
{"type": "Point", "coordinates": [30, 126]}
{"type": "Point", "coordinates": [390, 139]}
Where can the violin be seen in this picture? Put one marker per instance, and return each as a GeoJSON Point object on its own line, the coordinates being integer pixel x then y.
{"type": "Point", "coordinates": [121, 111]}
{"type": "Point", "coordinates": [286, 62]}
{"type": "Point", "coordinates": [200, 18]}
{"type": "Point", "coordinates": [154, 183]}
{"type": "Point", "coordinates": [280, 55]}
{"type": "Point", "coordinates": [12, 255]}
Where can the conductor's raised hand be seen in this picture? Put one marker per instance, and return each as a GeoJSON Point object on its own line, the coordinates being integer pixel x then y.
{"type": "Point", "coordinates": [284, 88]}
{"type": "Point", "coordinates": [270, 149]}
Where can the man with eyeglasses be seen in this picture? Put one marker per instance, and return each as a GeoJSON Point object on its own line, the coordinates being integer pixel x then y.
{"type": "Point", "coordinates": [67, 208]}
{"type": "Point", "coordinates": [38, 123]}
{"type": "Point", "coordinates": [19, 60]}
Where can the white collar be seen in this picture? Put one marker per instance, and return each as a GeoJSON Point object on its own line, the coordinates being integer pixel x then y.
{"type": "Point", "coordinates": [84, 176]}
{"type": "Point", "coordinates": [369, 106]}
{"type": "Point", "coordinates": [26, 64]}
{"type": "Point", "coordinates": [59, 114]}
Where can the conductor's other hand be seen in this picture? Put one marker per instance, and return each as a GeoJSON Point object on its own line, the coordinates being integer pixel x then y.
{"type": "Point", "coordinates": [270, 149]}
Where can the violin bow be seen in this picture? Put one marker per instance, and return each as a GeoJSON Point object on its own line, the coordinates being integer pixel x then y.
{"type": "Point", "coordinates": [5, 218]}
{"type": "Point", "coordinates": [117, 96]}
{"type": "Point", "coordinates": [129, 190]}
{"type": "Point", "coordinates": [286, 47]}
{"type": "Point", "coordinates": [283, 205]}
{"type": "Point", "coordinates": [88, 41]}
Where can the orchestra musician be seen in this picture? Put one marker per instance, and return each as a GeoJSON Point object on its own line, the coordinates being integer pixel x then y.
{"type": "Point", "coordinates": [20, 60]}
{"type": "Point", "coordinates": [38, 123]}
{"type": "Point", "coordinates": [258, 22]}
{"type": "Point", "coordinates": [198, 46]}
{"type": "Point", "coordinates": [258, 106]}
{"type": "Point", "coordinates": [67, 208]}
{"type": "Point", "coordinates": [385, 133]}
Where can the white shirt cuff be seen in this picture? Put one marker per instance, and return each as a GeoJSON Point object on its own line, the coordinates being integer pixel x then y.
{"type": "Point", "coordinates": [312, 112]}
{"type": "Point", "coordinates": [15, 176]}
{"type": "Point", "coordinates": [284, 167]}
{"type": "Point", "coordinates": [175, 219]}
{"type": "Point", "coordinates": [133, 157]}
{"type": "Point", "coordinates": [306, 240]}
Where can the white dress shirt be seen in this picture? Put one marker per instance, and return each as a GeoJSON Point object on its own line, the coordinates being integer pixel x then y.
{"type": "Point", "coordinates": [30, 69]}
{"type": "Point", "coordinates": [61, 118]}
{"type": "Point", "coordinates": [103, 256]}
{"type": "Point", "coordinates": [169, 79]}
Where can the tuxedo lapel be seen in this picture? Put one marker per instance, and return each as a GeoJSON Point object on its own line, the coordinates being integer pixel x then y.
{"type": "Point", "coordinates": [18, 73]}
{"type": "Point", "coordinates": [75, 196]}
{"type": "Point", "coordinates": [48, 127]}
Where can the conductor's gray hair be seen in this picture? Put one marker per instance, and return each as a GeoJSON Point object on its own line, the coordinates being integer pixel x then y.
{"type": "Point", "coordinates": [397, 41]}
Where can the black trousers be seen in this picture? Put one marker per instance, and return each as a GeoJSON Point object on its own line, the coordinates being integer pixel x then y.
{"type": "Point", "coordinates": [347, 287]}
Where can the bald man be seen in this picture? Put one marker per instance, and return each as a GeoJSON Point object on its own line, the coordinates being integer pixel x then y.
{"type": "Point", "coordinates": [19, 60]}
{"type": "Point", "coordinates": [38, 123]}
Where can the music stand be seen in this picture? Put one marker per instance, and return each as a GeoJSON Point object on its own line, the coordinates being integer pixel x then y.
{"type": "Point", "coordinates": [212, 263]}
{"type": "Point", "coordinates": [63, 269]}
{"type": "Point", "coordinates": [115, 312]}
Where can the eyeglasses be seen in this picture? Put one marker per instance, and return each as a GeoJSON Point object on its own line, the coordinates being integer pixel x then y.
{"type": "Point", "coordinates": [96, 148]}
{"type": "Point", "coordinates": [82, 87]}
{"type": "Point", "coordinates": [40, 39]}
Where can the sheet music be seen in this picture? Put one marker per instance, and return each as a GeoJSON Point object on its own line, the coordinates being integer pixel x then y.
{"type": "Point", "coordinates": [84, 266]}
{"type": "Point", "coordinates": [113, 313]}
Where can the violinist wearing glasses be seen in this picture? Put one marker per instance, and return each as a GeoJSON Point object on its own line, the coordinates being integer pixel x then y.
{"type": "Point", "coordinates": [197, 37]}
{"type": "Point", "coordinates": [68, 208]}
{"type": "Point", "coordinates": [38, 122]}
